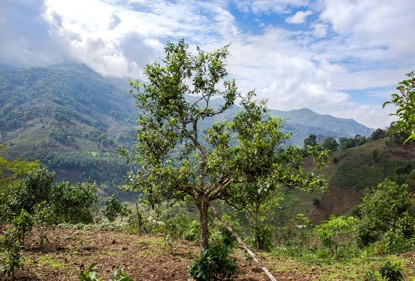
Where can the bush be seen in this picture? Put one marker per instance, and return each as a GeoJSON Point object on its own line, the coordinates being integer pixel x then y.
{"type": "Point", "coordinates": [74, 203]}
{"type": "Point", "coordinates": [337, 234]}
{"type": "Point", "coordinates": [395, 241]}
{"type": "Point", "coordinates": [392, 271]}
{"type": "Point", "coordinates": [295, 237]}
{"type": "Point", "coordinates": [213, 264]}
{"type": "Point", "coordinates": [388, 208]}
{"type": "Point", "coordinates": [112, 209]}
{"type": "Point", "coordinates": [10, 245]}
{"type": "Point", "coordinates": [23, 224]}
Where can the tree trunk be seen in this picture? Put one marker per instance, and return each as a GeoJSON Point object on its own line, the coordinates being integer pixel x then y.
{"type": "Point", "coordinates": [204, 231]}
{"type": "Point", "coordinates": [139, 220]}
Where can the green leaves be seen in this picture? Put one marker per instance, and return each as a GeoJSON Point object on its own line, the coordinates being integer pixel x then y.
{"type": "Point", "coordinates": [230, 160]}
{"type": "Point", "coordinates": [405, 102]}
{"type": "Point", "coordinates": [388, 207]}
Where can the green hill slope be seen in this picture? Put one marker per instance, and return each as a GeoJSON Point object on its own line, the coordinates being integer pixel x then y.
{"type": "Point", "coordinates": [352, 171]}
{"type": "Point", "coordinates": [68, 117]}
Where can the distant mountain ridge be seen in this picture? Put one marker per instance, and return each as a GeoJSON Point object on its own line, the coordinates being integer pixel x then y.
{"type": "Point", "coordinates": [73, 120]}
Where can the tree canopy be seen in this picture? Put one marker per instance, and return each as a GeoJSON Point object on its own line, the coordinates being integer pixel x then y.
{"type": "Point", "coordinates": [175, 158]}
{"type": "Point", "coordinates": [405, 102]}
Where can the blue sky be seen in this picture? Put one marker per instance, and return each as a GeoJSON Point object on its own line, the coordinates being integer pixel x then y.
{"type": "Point", "coordinates": [338, 57]}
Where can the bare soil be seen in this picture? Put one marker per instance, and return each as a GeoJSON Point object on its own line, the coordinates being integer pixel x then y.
{"type": "Point", "coordinates": [67, 251]}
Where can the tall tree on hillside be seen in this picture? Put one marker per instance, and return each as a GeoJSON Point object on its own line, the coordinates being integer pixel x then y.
{"type": "Point", "coordinates": [310, 141]}
{"type": "Point", "coordinates": [405, 101]}
{"type": "Point", "coordinates": [330, 144]}
{"type": "Point", "coordinates": [176, 159]}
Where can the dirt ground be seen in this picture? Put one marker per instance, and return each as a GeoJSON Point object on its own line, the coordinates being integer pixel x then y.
{"type": "Point", "coordinates": [67, 251]}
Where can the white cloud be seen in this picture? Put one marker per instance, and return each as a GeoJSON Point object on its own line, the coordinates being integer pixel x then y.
{"type": "Point", "coordinates": [299, 17]}
{"type": "Point", "coordinates": [371, 116]}
{"type": "Point", "coordinates": [320, 30]}
{"type": "Point", "coordinates": [352, 45]}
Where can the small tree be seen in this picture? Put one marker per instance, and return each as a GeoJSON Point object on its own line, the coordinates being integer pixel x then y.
{"type": "Point", "coordinates": [74, 203]}
{"type": "Point", "coordinates": [310, 141]}
{"type": "Point", "coordinates": [405, 101]}
{"type": "Point", "coordinates": [112, 208]}
{"type": "Point", "coordinates": [12, 257]}
{"type": "Point", "coordinates": [12, 172]}
{"type": "Point", "coordinates": [330, 144]}
{"type": "Point", "coordinates": [176, 158]}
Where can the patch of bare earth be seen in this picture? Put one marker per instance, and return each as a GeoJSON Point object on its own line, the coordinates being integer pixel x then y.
{"type": "Point", "coordinates": [67, 251]}
{"type": "Point", "coordinates": [336, 201]}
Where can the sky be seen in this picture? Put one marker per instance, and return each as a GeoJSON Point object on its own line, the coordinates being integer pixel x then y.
{"type": "Point", "coordinates": [338, 57]}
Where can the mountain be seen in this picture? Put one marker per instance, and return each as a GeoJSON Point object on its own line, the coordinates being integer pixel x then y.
{"type": "Point", "coordinates": [74, 120]}
{"type": "Point", "coordinates": [304, 122]}
{"type": "Point", "coordinates": [70, 118]}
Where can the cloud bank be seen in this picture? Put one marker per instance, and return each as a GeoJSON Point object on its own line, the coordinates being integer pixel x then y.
{"type": "Point", "coordinates": [330, 56]}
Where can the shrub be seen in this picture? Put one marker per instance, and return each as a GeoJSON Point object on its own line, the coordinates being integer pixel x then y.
{"type": "Point", "coordinates": [23, 224]}
{"type": "Point", "coordinates": [395, 241]}
{"type": "Point", "coordinates": [112, 208]}
{"type": "Point", "coordinates": [295, 237]}
{"type": "Point", "coordinates": [74, 203]}
{"type": "Point", "coordinates": [44, 216]}
{"type": "Point", "coordinates": [192, 231]}
{"type": "Point", "coordinates": [388, 207]}
{"type": "Point", "coordinates": [372, 275]}
{"type": "Point", "coordinates": [337, 234]}
{"type": "Point", "coordinates": [392, 271]}
{"type": "Point", "coordinates": [213, 264]}
{"type": "Point", "coordinates": [10, 245]}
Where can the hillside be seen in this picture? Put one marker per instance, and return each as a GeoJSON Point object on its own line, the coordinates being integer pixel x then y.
{"type": "Point", "coordinates": [68, 117]}
{"type": "Point", "coordinates": [74, 120]}
{"type": "Point", "coordinates": [352, 171]}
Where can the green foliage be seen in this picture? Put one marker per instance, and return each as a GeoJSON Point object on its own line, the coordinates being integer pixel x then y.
{"type": "Point", "coordinates": [346, 143]}
{"type": "Point", "coordinates": [11, 173]}
{"type": "Point", "coordinates": [405, 104]}
{"type": "Point", "coordinates": [219, 234]}
{"type": "Point", "coordinates": [378, 134]}
{"type": "Point", "coordinates": [179, 160]}
{"type": "Point", "coordinates": [112, 208]}
{"type": "Point", "coordinates": [388, 207]}
{"type": "Point", "coordinates": [395, 241]}
{"type": "Point", "coordinates": [23, 224]}
{"type": "Point", "coordinates": [213, 264]}
{"type": "Point", "coordinates": [90, 275]}
{"type": "Point", "coordinates": [372, 275]}
{"type": "Point", "coordinates": [330, 144]}
{"type": "Point", "coordinates": [32, 190]}
{"type": "Point", "coordinates": [392, 271]}
{"type": "Point", "coordinates": [74, 203]}
{"type": "Point", "coordinates": [120, 275]}
{"type": "Point", "coordinates": [337, 234]}
{"type": "Point", "coordinates": [310, 141]}
{"type": "Point", "coordinates": [296, 236]}
{"type": "Point", "coordinates": [65, 202]}
{"type": "Point", "coordinates": [10, 246]}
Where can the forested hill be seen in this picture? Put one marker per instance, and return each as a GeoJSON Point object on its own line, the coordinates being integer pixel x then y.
{"type": "Point", "coordinates": [73, 120]}
{"type": "Point", "coordinates": [70, 118]}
